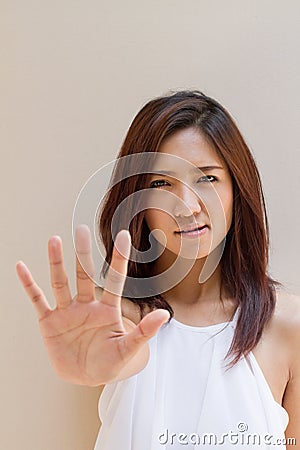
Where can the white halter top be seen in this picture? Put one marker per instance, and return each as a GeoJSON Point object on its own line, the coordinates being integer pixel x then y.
{"type": "Point", "coordinates": [185, 398]}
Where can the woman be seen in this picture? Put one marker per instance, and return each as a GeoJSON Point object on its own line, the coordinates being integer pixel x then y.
{"type": "Point", "coordinates": [224, 369]}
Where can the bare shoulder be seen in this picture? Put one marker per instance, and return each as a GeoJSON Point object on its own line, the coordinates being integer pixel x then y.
{"type": "Point", "coordinates": [285, 324]}
{"type": "Point", "coordinates": [287, 321]}
{"type": "Point", "coordinates": [287, 311]}
{"type": "Point", "coordinates": [281, 335]}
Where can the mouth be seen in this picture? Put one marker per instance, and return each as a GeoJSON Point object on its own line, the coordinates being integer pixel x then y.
{"type": "Point", "coordinates": [192, 230]}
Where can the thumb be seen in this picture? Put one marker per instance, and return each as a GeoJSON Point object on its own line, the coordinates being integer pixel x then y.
{"type": "Point", "coordinates": [151, 323]}
{"type": "Point", "coordinates": [146, 329]}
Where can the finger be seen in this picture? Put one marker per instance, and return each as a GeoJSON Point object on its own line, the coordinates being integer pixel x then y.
{"type": "Point", "coordinates": [145, 330]}
{"type": "Point", "coordinates": [34, 292]}
{"type": "Point", "coordinates": [58, 276]}
{"type": "Point", "coordinates": [117, 271]}
{"type": "Point", "coordinates": [85, 269]}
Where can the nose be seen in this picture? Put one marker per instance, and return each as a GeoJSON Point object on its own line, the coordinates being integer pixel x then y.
{"type": "Point", "coordinates": [189, 203]}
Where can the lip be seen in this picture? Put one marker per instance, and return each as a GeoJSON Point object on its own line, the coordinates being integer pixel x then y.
{"type": "Point", "coordinates": [193, 232]}
{"type": "Point", "coordinates": [191, 227]}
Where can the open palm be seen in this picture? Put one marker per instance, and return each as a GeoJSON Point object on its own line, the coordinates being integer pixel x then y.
{"type": "Point", "coordinates": [86, 339]}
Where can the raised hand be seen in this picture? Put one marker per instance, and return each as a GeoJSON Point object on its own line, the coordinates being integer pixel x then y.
{"type": "Point", "coordinates": [86, 339]}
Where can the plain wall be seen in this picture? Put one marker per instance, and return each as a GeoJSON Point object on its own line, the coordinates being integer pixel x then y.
{"type": "Point", "coordinates": [73, 74]}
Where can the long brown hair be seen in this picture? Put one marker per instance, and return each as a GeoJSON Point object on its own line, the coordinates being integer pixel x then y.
{"type": "Point", "coordinates": [244, 260]}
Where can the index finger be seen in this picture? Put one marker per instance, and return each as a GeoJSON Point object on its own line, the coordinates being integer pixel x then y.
{"type": "Point", "coordinates": [117, 271]}
{"type": "Point", "coordinates": [85, 269]}
{"type": "Point", "coordinates": [59, 278]}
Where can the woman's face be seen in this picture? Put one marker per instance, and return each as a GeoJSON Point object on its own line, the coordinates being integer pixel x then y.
{"type": "Point", "coordinates": [197, 191]}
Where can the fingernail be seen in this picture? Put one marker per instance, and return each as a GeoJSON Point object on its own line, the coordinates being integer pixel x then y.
{"type": "Point", "coordinates": [21, 266]}
{"type": "Point", "coordinates": [167, 318]}
{"type": "Point", "coordinates": [83, 239]}
{"type": "Point", "coordinates": [121, 243]}
{"type": "Point", "coordinates": [55, 241]}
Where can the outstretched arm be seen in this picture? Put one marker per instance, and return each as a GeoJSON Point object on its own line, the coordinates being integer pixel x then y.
{"type": "Point", "coordinates": [87, 340]}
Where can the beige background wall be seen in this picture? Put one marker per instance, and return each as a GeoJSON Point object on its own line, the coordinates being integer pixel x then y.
{"type": "Point", "coordinates": [73, 74]}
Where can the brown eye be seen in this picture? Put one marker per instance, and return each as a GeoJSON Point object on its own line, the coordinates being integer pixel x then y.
{"type": "Point", "coordinates": [206, 179]}
{"type": "Point", "coordinates": [158, 183]}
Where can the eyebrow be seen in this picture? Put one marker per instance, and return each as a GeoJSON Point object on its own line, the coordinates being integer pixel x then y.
{"type": "Point", "coordinates": [203, 169]}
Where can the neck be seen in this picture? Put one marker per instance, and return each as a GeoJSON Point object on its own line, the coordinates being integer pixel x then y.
{"type": "Point", "coordinates": [189, 293]}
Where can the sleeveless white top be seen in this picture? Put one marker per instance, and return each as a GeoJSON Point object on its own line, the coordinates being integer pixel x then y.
{"type": "Point", "coordinates": [185, 398]}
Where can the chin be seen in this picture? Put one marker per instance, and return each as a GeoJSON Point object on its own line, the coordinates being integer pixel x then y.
{"type": "Point", "coordinates": [189, 249]}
